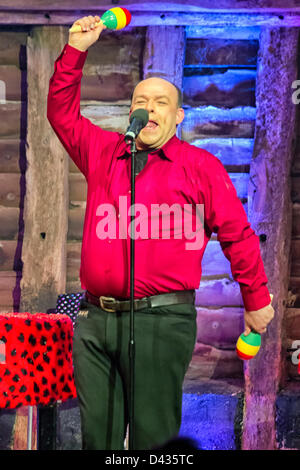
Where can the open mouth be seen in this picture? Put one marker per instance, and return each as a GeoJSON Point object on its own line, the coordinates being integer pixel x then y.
{"type": "Point", "coordinates": [151, 125]}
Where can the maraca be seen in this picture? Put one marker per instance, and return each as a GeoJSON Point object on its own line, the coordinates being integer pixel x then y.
{"type": "Point", "coordinates": [248, 346]}
{"type": "Point", "coordinates": [115, 18]}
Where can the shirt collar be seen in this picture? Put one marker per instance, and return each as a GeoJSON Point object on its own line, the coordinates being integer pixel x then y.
{"type": "Point", "coordinates": [169, 149]}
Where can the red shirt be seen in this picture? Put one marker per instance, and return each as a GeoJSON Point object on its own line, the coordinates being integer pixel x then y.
{"type": "Point", "coordinates": [178, 173]}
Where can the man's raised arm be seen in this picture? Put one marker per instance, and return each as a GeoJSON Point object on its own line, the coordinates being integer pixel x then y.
{"type": "Point", "coordinates": [75, 132]}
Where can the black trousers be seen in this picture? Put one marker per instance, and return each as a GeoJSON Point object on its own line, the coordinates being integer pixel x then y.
{"type": "Point", "coordinates": [164, 343]}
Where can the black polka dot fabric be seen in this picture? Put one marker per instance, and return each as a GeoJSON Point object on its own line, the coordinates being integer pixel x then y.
{"type": "Point", "coordinates": [36, 365]}
{"type": "Point", "coordinates": [69, 304]}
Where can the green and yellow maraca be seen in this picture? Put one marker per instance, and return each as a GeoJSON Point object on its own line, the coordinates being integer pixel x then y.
{"type": "Point", "coordinates": [248, 346]}
{"type": "Point", "coordinates": [115, 18]}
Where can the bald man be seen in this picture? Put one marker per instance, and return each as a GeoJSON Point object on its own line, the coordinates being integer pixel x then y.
{"type": "Point", "coordinates": [180, 178]}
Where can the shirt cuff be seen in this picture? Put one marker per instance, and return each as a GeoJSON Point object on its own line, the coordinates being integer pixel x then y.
{"type": "Point", "coordinates": [73, 57]}
{"type": "Point", "coordinates": [255, 300]}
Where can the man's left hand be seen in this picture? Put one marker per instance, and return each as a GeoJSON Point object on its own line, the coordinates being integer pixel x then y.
{"type": "Point", "coordinates": [258, 320]}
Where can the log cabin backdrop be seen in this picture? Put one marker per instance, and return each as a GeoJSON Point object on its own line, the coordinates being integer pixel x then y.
{"type": "Point", "coordinates": [237, 65]}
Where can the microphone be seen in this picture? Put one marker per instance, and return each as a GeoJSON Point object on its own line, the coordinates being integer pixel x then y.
{"type": "Point", "coordinates": [138, 120]}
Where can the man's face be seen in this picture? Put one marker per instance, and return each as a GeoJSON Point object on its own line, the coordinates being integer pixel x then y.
{"type": "Point", "coordinates": [160, 99]}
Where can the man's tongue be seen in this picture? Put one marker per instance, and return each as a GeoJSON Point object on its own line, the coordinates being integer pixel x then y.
{"type": "Point", "coordinates": [151, 125]}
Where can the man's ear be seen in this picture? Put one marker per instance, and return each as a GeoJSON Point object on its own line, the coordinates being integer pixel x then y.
{"type": "Point", "coordinates": [179, 116]}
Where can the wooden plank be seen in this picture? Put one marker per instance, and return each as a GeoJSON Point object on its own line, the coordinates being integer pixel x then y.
{"type": "Point", "coordinates": [12, 153]}
{"type": "Point", "coordinates": [110, 117]}
{"type": "Point", "coordinates": [119, 51]}
{"type": "Point", "coordinates": [75, 223]}
{"type": "Point", "coordinates": [9, 223]}
{"type": "Point", "coordinates": [240, 182]}
{"type": "Point", "coordinates": [11, 76]}
{"type": "Point", "coordinates": [8, 251]}
{"type": "Point", "coordinates": [10, 189]}
{"type": "Point", "coordinates": [109, 87]}
{"type": "Point", "coordinates": [45, 210]}
{"type": "Point", "coordinates": [214, 262]}
{"type": "Point", "coordinates": [228, 150]}
{"type": "Point", "coordinates": [207, 32]}
{"type": "Point", "coordinates": [269, 202]}
{"type": "Point", "coordinates": [296, 160]}
{"type": "Point", "coordinates": [78, 187]}
{"type": "Point", "coordinates": [293, 299]}
{"type": "Point", "coordinates": [179, 15]}
{"type": "Point", "coordinates": [73, 286]}
{"type": "Point", "coordinates": [246, 6]}
{"type": "Point", "coordinates": [46, 199]}
{"type": "Point", "coordinates": [111, 77]}
{"type": "Point", "coordinates": [295, 193]}
{"type": "Point", "coordinates": [13, 48]}
{"type": "Point", "coordinates": [213, 363]}
{"type": "Point", "coordinates": [220, 52]}
{"type": "Point", "coordinates": [218, 292]}
{"type": "Point", "coordinates": [292, 323]}
{"type": "Point", "coordinates": [7, 285]}
{"type": "Point", "coordinates": [210, 121]}
{"type": "Point", "coordinates": [295, 255]}
{"type": "Point", "coordinates": [10, 120]}
{"type": "Point", "coordinates": [220, 327]}
{"type": "Point", "coordinates": [296, 221]}
{"type": "Point", "coordinates": [156, 61]}
{"type": "Point", "coordinates": [229, 89]}
{"type": "Point", "coordinates": [73, 260]}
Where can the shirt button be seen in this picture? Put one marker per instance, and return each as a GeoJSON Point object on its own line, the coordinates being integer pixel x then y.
{"type": "Point", "coordinates": [129, 191]}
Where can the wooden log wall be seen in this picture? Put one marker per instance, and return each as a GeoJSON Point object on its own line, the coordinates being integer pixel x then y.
{"type": "Point", "coordinates": [270, 210]}
{"type": "Point", "coordinates": [218, 81]}
{"type": "Point", "coordinates": [292, 314]}
{"type": "Point", "coordinates": [13, 116]}
{"type": "Point", "coordinates": [219, 100]}
{"type": "Point", "coordinates": [219, 70]}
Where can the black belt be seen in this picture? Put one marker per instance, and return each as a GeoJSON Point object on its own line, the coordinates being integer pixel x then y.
{"type": "Point", "coordinates": [110, 304]}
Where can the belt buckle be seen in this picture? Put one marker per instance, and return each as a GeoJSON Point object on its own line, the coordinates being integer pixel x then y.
{"type": "Point", "coordinates": [107, 299]}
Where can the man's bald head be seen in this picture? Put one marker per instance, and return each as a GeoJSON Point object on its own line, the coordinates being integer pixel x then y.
{"type": "Point", "coordinates": [178, 91]}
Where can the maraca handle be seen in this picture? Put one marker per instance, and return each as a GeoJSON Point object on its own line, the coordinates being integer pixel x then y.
{"type": "Point", "coordinates": [76, 28]}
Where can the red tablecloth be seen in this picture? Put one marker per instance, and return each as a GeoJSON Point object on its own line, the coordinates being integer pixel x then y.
{"type": "Point", "coordinates": [36, 366]}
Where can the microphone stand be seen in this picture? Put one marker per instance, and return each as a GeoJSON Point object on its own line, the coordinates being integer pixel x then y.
{"type": "Point", "coordinates": [131, 338]}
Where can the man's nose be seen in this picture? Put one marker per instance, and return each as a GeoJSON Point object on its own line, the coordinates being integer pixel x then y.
{"type": "Point", "coordinates": [149, 106]}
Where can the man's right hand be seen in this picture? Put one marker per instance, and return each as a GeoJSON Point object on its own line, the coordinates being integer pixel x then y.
{"type": "Point", "coordinates": [89, 34]}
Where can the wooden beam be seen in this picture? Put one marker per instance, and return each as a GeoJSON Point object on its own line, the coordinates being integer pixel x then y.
{"type": "Point", "coordinates": [270, 213]}
{"type": "Point", "coordinates": [46, 199]}
{"type": "Point", "coordinates": [157, 5]}
{"type": "Point", "coordinates": [157, 62]}
{"type": "Point", "coordinates": [154, 14]}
